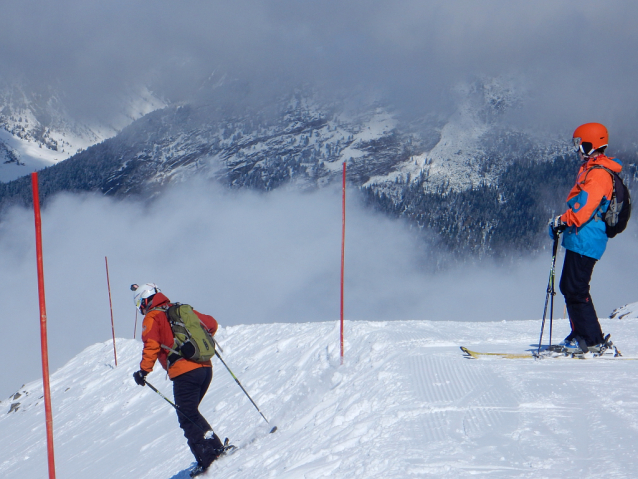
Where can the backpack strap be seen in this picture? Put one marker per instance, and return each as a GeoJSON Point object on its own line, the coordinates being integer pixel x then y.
{"type": "Point", "coordinates": [158, 308]}
{"type": "Point", "coordinates": [598, 215]}
{"type": "Point", "coordinates": [169, 349]}
{"type": "Point", "coordinates": [600, 167]}
{"type": "Point", "coordinates": [173, 357]}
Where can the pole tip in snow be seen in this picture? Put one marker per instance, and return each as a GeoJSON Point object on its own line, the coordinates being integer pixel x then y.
{"type": "Point", "coordinates": [273, 430]}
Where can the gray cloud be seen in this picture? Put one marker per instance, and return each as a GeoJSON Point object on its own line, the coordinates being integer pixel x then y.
{"type": "Point", "coordinates": [250, 258]}
{"type": "Point", "coordinates": [577, 57]}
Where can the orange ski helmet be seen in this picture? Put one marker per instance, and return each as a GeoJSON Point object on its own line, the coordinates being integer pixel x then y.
{"type": "Point", "coordinates": [590, 137]}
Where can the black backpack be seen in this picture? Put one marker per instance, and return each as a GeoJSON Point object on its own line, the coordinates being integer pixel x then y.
{"type": "Point", "coordinates": [617, 215]}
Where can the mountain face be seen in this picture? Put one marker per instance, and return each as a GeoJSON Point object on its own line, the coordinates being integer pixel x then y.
{"type": "Point", "coordinates": [481, 187]}
{"type": "Point", "coordinates": [37, 130]}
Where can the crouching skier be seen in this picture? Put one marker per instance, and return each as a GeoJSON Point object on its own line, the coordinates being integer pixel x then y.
{"type": "Point", "coordinates": [190, 378]}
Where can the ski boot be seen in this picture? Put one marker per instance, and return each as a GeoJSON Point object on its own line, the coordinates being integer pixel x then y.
{"type": "Point", "coordinates": [197, 471]}
{"type": "Point", "coordinates": [574, 346]}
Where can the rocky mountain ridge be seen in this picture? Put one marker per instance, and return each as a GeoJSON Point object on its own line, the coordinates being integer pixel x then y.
{"type": "Point", "coordinates": [37, 130]}
{"type": "Point", "coordinates": [482, 187]}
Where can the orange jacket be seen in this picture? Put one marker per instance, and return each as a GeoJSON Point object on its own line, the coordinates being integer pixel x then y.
{"type": "Point", "coordinates": [591, 187]}
{"type": "Point", "coordinates": [587, 202]}
{"type": "Point", "coordinates": [157, 331]}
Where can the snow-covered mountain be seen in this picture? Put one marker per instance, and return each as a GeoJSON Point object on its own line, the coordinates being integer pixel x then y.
{"type": "Point", "coordinates": [628, 311]}
{"type": "Point", "coordinates": [405, 403]}
{"type": "Point", "coordinates": [304, 137]}
{"type": "Point", "coordinates": [37, 130]}
{"type": "Point", "coordinates": [481, 186]}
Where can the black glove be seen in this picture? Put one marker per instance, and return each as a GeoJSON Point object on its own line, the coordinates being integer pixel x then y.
{"type": "Point", "coordinates": [139, 377]}
{"type": "Point", "coordinates": [556, 226]}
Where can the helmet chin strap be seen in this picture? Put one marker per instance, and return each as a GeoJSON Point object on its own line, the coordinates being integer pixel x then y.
{"type": "Point", "coordinates": [584, 158]}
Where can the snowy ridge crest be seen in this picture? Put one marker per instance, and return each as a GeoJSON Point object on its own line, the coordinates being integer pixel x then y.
{"type": "Point", "coordinates": [628, 311]}
{"type": "Point", "coordinates": [405, 403]}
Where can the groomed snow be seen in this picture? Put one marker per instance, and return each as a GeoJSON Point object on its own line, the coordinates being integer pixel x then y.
{"type": "Point", "coordinates": [406, 403]}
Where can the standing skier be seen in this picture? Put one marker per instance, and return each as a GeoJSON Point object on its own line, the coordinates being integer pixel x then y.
{"type": "Point", "coordinates": [190, 379]}
{"type": "Point", "coordinates": [585, 238]}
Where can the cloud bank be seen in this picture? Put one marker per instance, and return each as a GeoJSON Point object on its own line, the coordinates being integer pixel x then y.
{"type": "Point", "coordinates": [250, 258]}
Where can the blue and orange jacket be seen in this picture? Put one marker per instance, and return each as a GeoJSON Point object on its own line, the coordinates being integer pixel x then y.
{"type": "Point", "coordinates": [587, 202]}
{"type": "Point", "coordinates": [156, 331]}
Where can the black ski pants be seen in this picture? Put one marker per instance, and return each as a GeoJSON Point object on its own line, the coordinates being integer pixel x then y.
{"type": "Point", "coordinates": [188, 390]}
{"type": "Point", "coordinates": [574, 284]}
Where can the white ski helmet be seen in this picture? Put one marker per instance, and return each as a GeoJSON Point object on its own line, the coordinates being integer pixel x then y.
{"type": "Point", "coordinates": [143, 293]}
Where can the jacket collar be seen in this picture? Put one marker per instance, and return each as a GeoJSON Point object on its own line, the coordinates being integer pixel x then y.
{"type": "Point", "coordinates": [159, 300]}
{"type": "Point", "coordinates": [601, 160]}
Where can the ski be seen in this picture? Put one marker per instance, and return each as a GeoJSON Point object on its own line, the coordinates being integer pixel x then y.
{"type": "Point", "coordinates": [547, 354]}
{"type": "Point", "coordinates": [477, 355]}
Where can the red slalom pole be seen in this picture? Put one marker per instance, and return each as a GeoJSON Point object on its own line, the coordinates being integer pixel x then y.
{"type": "Point", "coordinates": [108, 284]}
{"type": "Point", "coordinates": [43, 325]}
{"type": "Point", "coordinates": [343, 248]}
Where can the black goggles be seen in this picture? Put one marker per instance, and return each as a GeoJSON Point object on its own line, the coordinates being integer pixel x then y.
{"type": "Point", "coordinates": [585, 147]}
{"type": "Point", "coordinates": [143, 304]}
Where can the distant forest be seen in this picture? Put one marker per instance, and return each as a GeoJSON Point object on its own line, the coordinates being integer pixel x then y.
{"type": "Point", "coordinates": [492, 220]}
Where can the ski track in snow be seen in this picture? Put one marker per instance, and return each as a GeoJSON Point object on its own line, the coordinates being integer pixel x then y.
{"type": "Point", "coordinates": [406, 403]}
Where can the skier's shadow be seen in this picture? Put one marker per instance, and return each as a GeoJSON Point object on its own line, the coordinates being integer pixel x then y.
{"type": "Point", "coordinates": [185, 474]}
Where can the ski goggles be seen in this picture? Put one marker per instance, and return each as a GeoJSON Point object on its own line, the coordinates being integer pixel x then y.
{"type": "Point", "coordinates": [585, 147]}
{"type": "Point", "coordinates": [143, 303]}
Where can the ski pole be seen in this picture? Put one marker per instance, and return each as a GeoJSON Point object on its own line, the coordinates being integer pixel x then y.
{"type": "Point", "coordinates": [242, 388]}
{"type": "Point", "coordinates": [551, 307]}
{"type": "Point", "coordinates": [553, 275]}
{"type": "Point", "coordinates": [550, 293]}
{"type": "Point", "coordinates": [174, 405]}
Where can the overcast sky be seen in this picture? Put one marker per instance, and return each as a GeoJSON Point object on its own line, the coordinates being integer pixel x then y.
{"type": "Point", "coordinates": [576, 58]}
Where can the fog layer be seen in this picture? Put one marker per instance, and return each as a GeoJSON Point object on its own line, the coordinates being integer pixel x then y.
{"type": "Point", "coordinates": [250, 258]}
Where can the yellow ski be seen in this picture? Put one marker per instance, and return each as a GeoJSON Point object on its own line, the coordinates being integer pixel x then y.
{"type": "Point", "coordinates": [477, 355]}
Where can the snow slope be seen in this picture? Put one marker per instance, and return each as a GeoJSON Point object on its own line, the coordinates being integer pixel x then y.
{"type": "Point", "coordinates": [628, 311]}
{"type": "Point", "coordinates": [406, 403]}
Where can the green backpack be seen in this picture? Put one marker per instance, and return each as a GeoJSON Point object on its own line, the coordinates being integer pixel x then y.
{"type": "Point", "coordinates": [191, 339]}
